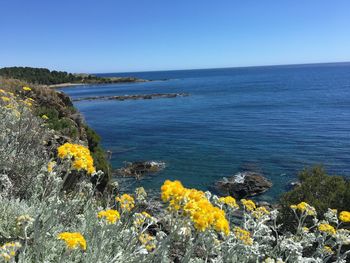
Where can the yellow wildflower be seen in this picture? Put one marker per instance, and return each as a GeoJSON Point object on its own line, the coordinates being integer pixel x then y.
{"type": "Point", "coordinates": [111, 215]}
{"type": "Point", "coordinates": [228, 200]}
{"type": "Point", "coordinates": [305, 208]}
{"type": "Point", "coordinates": [140, 218]}
{"type": "Point", "coordinates": [248, 204]}
{"type": "Point", "coordinates": [8, 250]}
{"type": "Point", "coordinates": [148, 241]}
{"type": "Point", "coordinates": [243, 235]}
{"type": "Point", "coordinates": [44, 117]}
{"type": "Point", "coordinates": [81, 156]}
{"type": "Point", "coordinates": [50, 166]}
{"type": "Point", "coordinates": [260, 212]}
{"type": "Point", "coordinates": [73, 240]}
{"type": "Point", "coordinates": [344, 216]}
{"type": "Point", "coordinates": [26, 89]}
{"type": "Point", "coordinates": [328, 250]}
{"type": "Point", "coordinates": [5, 99]}
{"type": "Point", "coordinates": [126, 201]}
{"type": "Point", "coordinates": [193, 204]}
{"type": "Point", "coordinates": [327, 228]}
{"type": "Point", "coordinates": [305, 229]}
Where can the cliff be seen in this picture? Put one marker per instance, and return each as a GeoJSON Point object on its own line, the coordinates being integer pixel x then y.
{"type": "Point", "coordinates": [65, 121]}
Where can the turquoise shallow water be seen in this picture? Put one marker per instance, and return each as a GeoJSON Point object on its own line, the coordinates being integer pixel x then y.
{"type": "Point", "coordinates": [276, 120]}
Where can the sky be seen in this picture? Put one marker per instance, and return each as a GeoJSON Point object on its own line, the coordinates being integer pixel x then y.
{"type": "Point", "coordinates": [144, 35]}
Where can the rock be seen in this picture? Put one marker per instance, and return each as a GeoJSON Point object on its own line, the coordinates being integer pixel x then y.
{"type": "Point", "coordinates": [243, 184]}
{"type": "Point", "coordinates": [295, 184]}
{"type": "Point", "coordinates": [135, 97]}
{"type": "Point", "coordinates": [137, 169]}
{"type": "Point", "coordinates": [264, 203]}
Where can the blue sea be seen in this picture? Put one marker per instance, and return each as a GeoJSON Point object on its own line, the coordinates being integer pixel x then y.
{"type": "Point", "coordinates": [275, 119]}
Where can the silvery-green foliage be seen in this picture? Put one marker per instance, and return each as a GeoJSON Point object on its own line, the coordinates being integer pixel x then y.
{"type": "Point", "coordinates": [22, 151]}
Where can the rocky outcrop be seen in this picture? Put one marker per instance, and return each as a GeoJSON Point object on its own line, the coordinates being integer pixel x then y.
{"type": "Point", "coordinates": [243, 184]}
{"type": "Point", "coordinates": [137, 169]}
{"type": "Point", "coordinates": [135, 97]}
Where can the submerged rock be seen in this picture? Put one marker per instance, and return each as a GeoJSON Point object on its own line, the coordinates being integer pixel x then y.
{"type": "Point", "coordinates": [137, 169]}
{"type": "Point", "coordinates": [243, 184]}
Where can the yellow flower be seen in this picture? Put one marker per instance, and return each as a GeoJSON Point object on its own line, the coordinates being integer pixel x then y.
{"type": "Point", "coordinates": [148, 241]}
{"type": "Point", "coordinates": [194, 205]}
{"type": "Point", "coordinates": [81, 156]}
{"type": "Point", "coordinates": [228, 200]}
{"type": "Point", "coordinates": [328, 250]}
{"type": "Point", "coordinates": [111, 215]}
{"type": "Point", "coordinates": [243, 235]}
{"type": "Point", "coordinates": [73, 240]}
{"type": "Point", "coordinates": [248, 204]}
{"type": "Point", "coordinates": [26, 88]}
{"type": "Point", "coordinates": [304, 208]}
{"type": "Point", "coordinates": [305, 229]}
{"type": "Point", "coordinates": [8, 250]}
{"type": "Point", "coordinates": [344, 216]}
{"type": "Point", "coordinates": [327, 228]}
{"type": "Point", "coordinates": [5, 99]}
{"type": "Point", "coordinates": [50, 166]}
{"type": "Point", "coordinates": [140, 218]}
{"type": "Point", "coordinates": [44, 117]}
{"type": "Point", "coordinates": [260, 212]}
{"type": "Point", "coordinates": [126, 201]}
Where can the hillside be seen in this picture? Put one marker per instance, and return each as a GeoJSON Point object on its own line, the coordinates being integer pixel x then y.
{"type": "Point", "coordinates": [44, 76]}
{"type": "Point", "coordinates": [62, 118]}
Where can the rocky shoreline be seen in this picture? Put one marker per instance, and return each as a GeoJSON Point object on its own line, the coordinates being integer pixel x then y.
{"type": "Point", "coordinates": [111, 80]}
{"type": "Point", "coordinates": [135, 97]}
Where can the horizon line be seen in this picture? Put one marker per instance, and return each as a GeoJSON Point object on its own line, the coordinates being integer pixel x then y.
{"type": "Point", "coordinates": [233, 67]}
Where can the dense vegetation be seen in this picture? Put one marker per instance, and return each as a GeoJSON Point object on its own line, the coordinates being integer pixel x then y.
{"type": "Point", "coordinates": [320, 190]}
{"type": "Point", "coordinates": [46, 77]}
{"type": "Point", "coordinates": [62, 117]}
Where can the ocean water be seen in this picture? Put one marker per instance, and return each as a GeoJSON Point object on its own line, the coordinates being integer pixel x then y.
{"type": "Point", "coordinates": [275, 120]}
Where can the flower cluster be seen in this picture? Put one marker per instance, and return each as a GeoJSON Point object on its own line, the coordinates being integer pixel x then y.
{"type": "Point", "coordinates": [260, 212]}
{"type": "Point", "coordinates": [50, 166]}
{"type": "Point", "coordinates": [304, 207]}
{"type": "Point", "coordinates": [80, 155]}
{"type": "Point", "coordinates": [243, 235]}
{"type": "Point", "coordinates": [126, 201]}
{"type": "Point", "coordinates": [8, 250]}
{"type": "Point", "coordinates": [140, 219]}
{"type": "Point", "coordinates": [196, 206]}
{"type": "Point", "coordinates": [147, 241]}
{"type": "Point", "coordinates": [327, 228]}
{"type": "Point", "coordinates": [229, 201]}
{"type": "Point", "coordinates": [249, 205]}
{"type": "Point", "coordinates": [26, 89]}
{"type": "Point", "coordinates": [110, 215]}
{"type": "Point", "coordinates": [344, 216]}
{"type": "Point", "coordinates": [73, 240]}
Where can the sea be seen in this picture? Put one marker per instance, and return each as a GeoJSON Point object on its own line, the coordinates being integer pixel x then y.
{"type": "Point", "coordinates": [275, 120]}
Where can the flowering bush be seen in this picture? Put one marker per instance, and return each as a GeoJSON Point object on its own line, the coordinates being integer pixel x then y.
{"type": "Point", "coordinates": [50, 224]}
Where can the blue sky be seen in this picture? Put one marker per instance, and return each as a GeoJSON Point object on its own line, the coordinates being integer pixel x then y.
{"type": "Point", "coordinates": [143, 35]}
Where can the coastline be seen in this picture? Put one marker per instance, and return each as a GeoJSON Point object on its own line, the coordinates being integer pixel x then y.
{"type": "Point", "coordinates": [72, 84]}
{"type": "Point", "coordinates": [65, 85]}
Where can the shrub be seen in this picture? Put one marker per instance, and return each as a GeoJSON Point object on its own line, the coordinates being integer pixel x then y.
{"type": "Point", "coordinates": [99, 156]}
{"type": "Point", "coordinates": [320, 190]}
